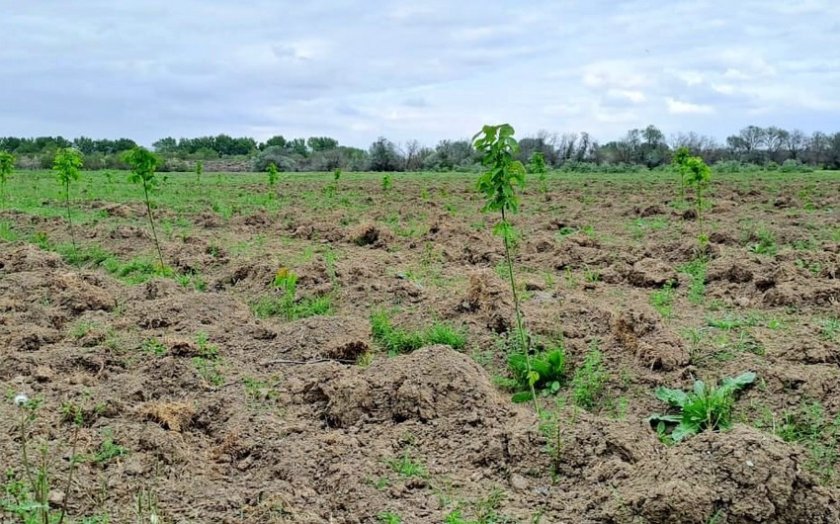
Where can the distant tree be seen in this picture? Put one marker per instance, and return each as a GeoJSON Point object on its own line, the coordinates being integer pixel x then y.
{"type": "Point", "coordinates": [449, 155]}
{"type": "Point", "coordinates": [276, 140]}
{"type": "Point", "coordinates": [321, 143]}
{"type": "Point", "coordinates": [384, 156]}
{"type": "Point", "coordinates": [165, 145]}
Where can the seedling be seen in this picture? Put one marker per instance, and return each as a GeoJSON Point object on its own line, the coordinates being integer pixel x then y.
{"type": "Point", "coordinates": [504, 174]}
{"type": "Point", "coordinates": [704, 408]}
{"type": "Point", "coordinates": [387, 183]}
{"type": "Point", "coordinates": [536, 165]}
{"type": "Point", "coordinates": [273, 174]}
{"type": "Point", "coordinates": [67, 165]}
{"type": "Point", "coordinates": [681, 156]}
{"type": "Point", "coordinates": [199, 170]}
{"type": "Point", "coordinates": [143, 165]}
{"type": "Point", "coordinates": [695, 173]}
{"type": "Point", "coordinates": [7, 166]}
{"type": "Point", "coordinates": [406, 467]}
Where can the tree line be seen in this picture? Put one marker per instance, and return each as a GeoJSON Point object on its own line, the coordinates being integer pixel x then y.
{"type": "Point", "coordinates": [648, 148]}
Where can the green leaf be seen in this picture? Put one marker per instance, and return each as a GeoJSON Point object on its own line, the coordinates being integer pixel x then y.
{"type": "Point", "coordinates": [674, 397]}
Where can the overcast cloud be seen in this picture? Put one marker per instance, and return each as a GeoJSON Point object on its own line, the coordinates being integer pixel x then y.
{"type": "Point", "coordinates": [426, 70]}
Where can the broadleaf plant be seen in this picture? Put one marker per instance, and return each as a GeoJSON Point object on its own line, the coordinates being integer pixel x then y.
{"type": "Point", "coordinates": [706, 407]}
{"type": "Point", "coordinates": [7, 167]}
{"type": "Point", "coordinates": [504, 175]}
{"type": "Point", "coordinates": [273, 174]}
{"type": "Point", "coordinates": [536, 166]}
{"type": "Point", "coordinates": [143, 165]}
{"type": "Point", "coordinates": [67, 165]}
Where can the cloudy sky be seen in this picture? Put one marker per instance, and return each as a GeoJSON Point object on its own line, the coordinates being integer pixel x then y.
{"type": "Point", "coordinates": [435, 69]}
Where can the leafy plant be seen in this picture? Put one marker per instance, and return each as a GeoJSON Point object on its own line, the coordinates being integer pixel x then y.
{"type": "Point", "coordinates": [67, 165]}
{"type": "Point", "coordinates": [7, 167]}
{"type": "Point", "coordinates": [590, 379]}
{"type": "Point", "coordinates": [681, 156]}
{"type": "Point", "coordinates": [504, 174]}
{"type": "Point", "coordinates": [387, 182]}
{"type": "Point", "coordinates": [108, 450]}
{"type": "Point", "coordinates": [548, 372]}
{"type": "Point", "coordinates": [703, 408]}
{"type": "Point", "coordinates": [536, 165]}
{"type": "Point", "coordinates": [199, 170]}
{"type": "Point", "coordinates": [143, 165]}
{"type": "Point", "coordinates": [273, 174]}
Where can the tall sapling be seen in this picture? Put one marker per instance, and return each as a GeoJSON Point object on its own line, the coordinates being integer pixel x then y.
{"type": "Point", "coordinates": [7, 166]}
{"type": "Point", "coordinates": [536, 165]}
{"type": "Point", "coordinates": [143, 165]}
{"type": "Point", "coordinates": [67, 165]}
{"type": "Point", "coordinates": [504, 174]}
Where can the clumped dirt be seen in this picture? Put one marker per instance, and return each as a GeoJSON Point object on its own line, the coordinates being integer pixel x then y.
{"type": "Point", "coordinates": [226, 417]}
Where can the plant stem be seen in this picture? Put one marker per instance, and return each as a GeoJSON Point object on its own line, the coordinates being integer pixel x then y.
{"type": "Point", "coordinates": [152, 223]}
{"type": "Point", "coordinates": [70, 473]}
{"type": "Point", "coordinates": [24, 445]}
{"type": "Point", "coordinates": [523, 340]}
{"type": "Point", "coordinates": [69, 218]}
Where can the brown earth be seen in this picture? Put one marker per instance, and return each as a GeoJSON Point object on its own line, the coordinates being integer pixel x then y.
{"type": "Point", "coordinates": [308, 420]}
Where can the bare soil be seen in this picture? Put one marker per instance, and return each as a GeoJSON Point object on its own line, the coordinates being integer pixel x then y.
{"type": "Point", "coordinates": [308, 420]}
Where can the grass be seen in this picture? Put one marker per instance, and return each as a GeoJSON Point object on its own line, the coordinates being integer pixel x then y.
{"type": "Point", "coordinates": [396, 340]}
{"type": "Point", "coordinates": [662, 300]}
{"type": "Point", "coordinates": [590, 379]}
{"type": "Point", "coordinates": [696, 269]}
{"type": "Point", "coordinates": [810, 426]}
{"type": "Point", "coordinates": [406, 467]}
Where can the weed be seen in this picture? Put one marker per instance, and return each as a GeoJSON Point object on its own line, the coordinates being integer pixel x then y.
{"type": "Point", "coordinates": [808, 425]}
{"type": "Point", "coordinates": [387, 183]}
{"type": "Point", "coordinates": [153, 346]}
{"type": "Point", "coordinates": [389, 517]}
{"type": "Point", "coordinates": [547, 373]}
{"type": "Point", "coordinates": [590, 379]}
{"type": "Point", "coordinates": [406, 467]}
{"type": "Point", "coordinates": [704, 408]}
{"type": "Point", "coordinates": [830, 329]}
{"type": "Point", "coordinates": [287, 304]}
{"type": "Point", "coordinates": [662, 299]}
{"type": "Point", "coordinates": [396, 340]}
{"type": "Point", "coordinates": [207, 363]}
{"type": "Point", "coordinates": [765, 243]}
{"type": "Point", "coordinates": [696, 269]}
{"type": "Point", "coordinates": [108, 450]}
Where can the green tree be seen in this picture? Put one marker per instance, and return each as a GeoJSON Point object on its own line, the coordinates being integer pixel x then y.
{"type": "Point", "coordinates": [68, 164]}
{"type": "Point", "coordinates": [681, 156]}
{"type": "Point", "coordinates": [143, 165]}
{"type": "Point", "coordinates": [499, 183]}
{"type": "Point", "coordinates": [7, 167]}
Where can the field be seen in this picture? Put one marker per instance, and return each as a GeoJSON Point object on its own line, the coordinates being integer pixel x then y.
{"type": "Point", "coordinates": [340, 354]}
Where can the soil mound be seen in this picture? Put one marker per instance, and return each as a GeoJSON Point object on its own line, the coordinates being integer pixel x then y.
{"type": "Point", "coordinates": [742, 475]}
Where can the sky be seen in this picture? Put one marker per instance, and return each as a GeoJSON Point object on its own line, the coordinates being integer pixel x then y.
{"type": "Point", "coordinates": [357, 70]}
